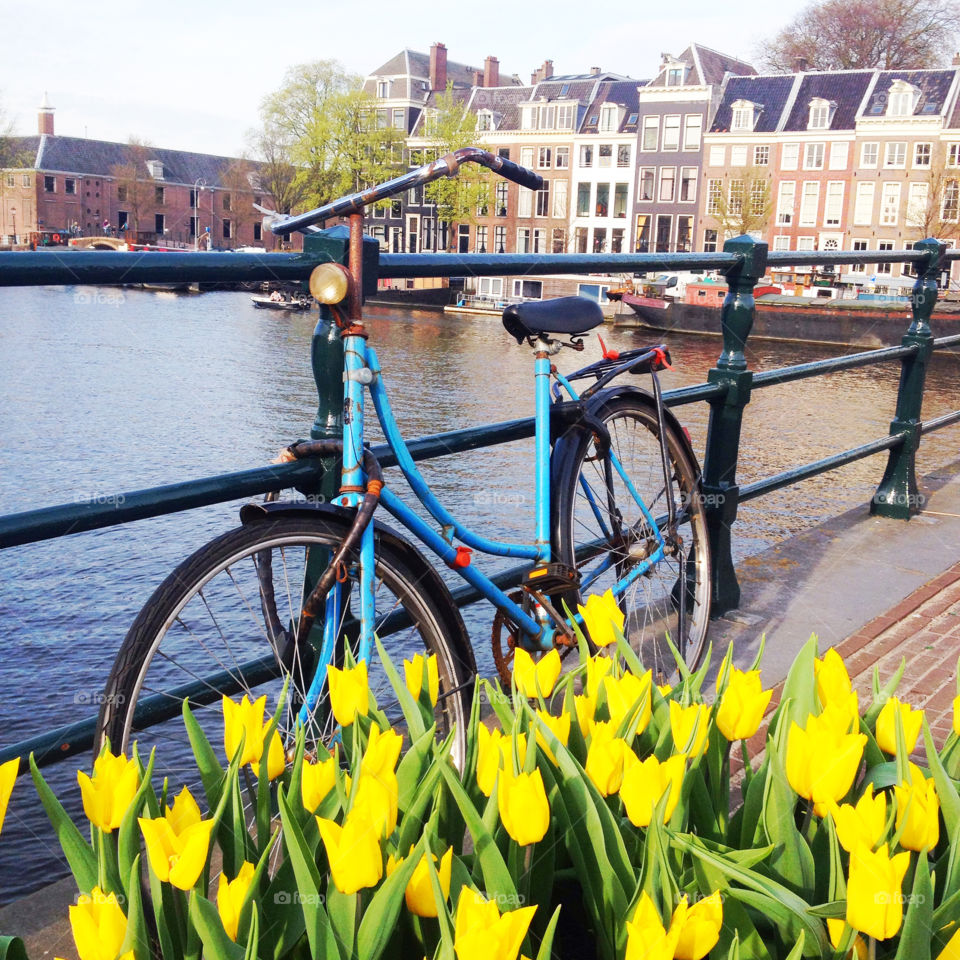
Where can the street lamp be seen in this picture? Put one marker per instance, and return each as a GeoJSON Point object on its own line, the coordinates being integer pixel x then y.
{"type": "Point", "coordinates": [197, 187]}
{"type": "Point", "coordinates": [13, 213]}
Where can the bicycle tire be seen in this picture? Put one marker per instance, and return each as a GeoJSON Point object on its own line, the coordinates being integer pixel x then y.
{"type": "Point", "coordinates": [176, 610]}
{"type": "Point", "coordinates": [650, 602]}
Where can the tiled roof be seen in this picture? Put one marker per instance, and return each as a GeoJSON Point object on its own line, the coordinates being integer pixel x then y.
{"type": "Point", "coordinates": [845, 88]}
{"type": "Point", "coordinates": [460, 96]}
{"type": "Point", "coordinates": [770, 92]}
{"type": "Point", "coordinates": [504, 101]}
{"type": "Point", "coordinates": [934, 88]}
{"type": "Point", "coordinates": [622, 92]}
{"type": "Point", "coordinates": [98, 158]}
{"type": "Point", "coordinates": [25, 146]}
{"type": "Point", "coordinates": [414, 69]}
{"type": "Point", "coordinates": [705, 67]}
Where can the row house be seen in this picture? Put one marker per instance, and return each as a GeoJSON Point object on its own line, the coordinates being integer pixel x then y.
{"type": "Point", "coordinates": [675, 109]}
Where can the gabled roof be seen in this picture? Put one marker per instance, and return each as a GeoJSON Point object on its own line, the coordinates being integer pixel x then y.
{"type": "Point", "coordinates": [706, 67]}
{"type": "Point", "coordinates": [621, 92]}
{"type": "Point", "coordinates": [770, 93]}
{"type": "Point", "coordinates": [460, 96]}
{"type": "Point", "coordinates": [934, 88]}
{"type": "Point", "coordinates": [411, 69]}
{"type": "Point", "coordinates": [504, 101]}
{"type": "Point", "coordinates": [845, 88]}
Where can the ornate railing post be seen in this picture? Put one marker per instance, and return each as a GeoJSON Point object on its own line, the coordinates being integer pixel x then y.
{"type": "Point", "coordinates": [719, 486]}
{"type": "Point", "coordinates": [897, 496]}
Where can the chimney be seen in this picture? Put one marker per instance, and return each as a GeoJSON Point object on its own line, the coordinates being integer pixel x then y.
{"type": "Point", "coordinates": [438, 67]}
{"type": "Point", "coordinates": [955, 62]}
{"type": "Point", "coordinates": [543, 72]}
{"type": "Point", "coordinates": [491, 72]}
{"type": "Point", "coordinates": [595, 71]}
{"type": "Point", "coordinates": [45, 117]}
{"type": "Point", "coordinates": [477, 77]}
{"type": "Point", "coordinates": [799, 64]}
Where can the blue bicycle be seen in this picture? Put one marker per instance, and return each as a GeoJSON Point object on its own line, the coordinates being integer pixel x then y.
{"type": "Point", "coordinates": [285, 594]}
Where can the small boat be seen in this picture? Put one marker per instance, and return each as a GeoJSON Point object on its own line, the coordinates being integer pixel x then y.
{"type": "Point", "coordinates": [294, 303]}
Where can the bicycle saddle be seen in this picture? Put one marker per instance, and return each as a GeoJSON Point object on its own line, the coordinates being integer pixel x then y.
{"type": "Point", "coordinates": [568, 315]}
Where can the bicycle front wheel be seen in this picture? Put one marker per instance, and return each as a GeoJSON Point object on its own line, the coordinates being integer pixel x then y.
{"type": "Point", "coordinates": [600, 528]}
{"type": "Point", "coordinates": [225, 620]}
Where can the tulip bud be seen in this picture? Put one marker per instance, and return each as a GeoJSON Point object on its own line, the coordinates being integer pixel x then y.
{"type": "Point", "coordinates": [413, 675]}
{"type": "Point", "coordinates": [8, 777]}
{"type": "Point", "coordinates": [523, 806]}
{"type": "Point", "coordinates": [353, 851]}
{"type": "Point", "coordinates": [107, 794]}
{"type": "Point", "coordinates": [874, 896]}
{"type": "Point", "coordinates": [743, 705]}
{"type": "Point", "coordinates": [607, 759]}
{"type": "Point", "coordinates": [230, 897]}
{"type": "Point", "coordinates": [482, 933]}
{"type": "Point", "coordinates": [698, 927]}
{"type": "Point", "coordinates": [690, 726]}
{"type": "Point", "coordinates": [349, 692]}
{"type": "Point", "coordinates": [538, 677]}
{"type": "Point", "coordinates": [98, 924]}
{"type": "Point", "coordinates": [918, 811]}
{"type": "Point", "coordinates": [886, 731]}
{"type": "Point", "coordinates": [833, 681]}
{"type": "Point", "coordinates": [603, 618]}
{"type": "Point", "coordinates": [644, 783]}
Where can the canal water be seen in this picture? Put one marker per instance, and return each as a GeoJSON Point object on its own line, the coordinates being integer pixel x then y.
{"type": "Point", "coordinates": [104, 391]}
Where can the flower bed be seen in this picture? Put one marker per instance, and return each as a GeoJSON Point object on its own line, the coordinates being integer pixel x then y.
{"type": "Point", "coordinates": [592, 816]}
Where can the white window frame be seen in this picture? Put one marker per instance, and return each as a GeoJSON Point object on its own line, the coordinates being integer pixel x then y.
{"type": "Point", "coordinates": [688, 175]}
{"type": "Point", "coordinates": [718, 155]}
{"type": "Point", "coordinates": [895, 155]}
{"type": "Point", "coordinates": [609, 118]}
{"type": "Point", "coordinates": [738, 155]}
{"type": "Point", "coordinates": [918, 195]}
{"type": "Point", "coordinates": [671, 129]}
{"type": "Point", "coordinates": [870, 155]}
{"type": "Point", "coordinates": [650, 132]}
{"type": "Point", "coordinates": [742, 116]}
{"type": "Point", "coordinates": [692, 131]}
{"type": "Point", "coordinates": [558, 153]}
{"type": "Point", "coordinates": [819, 116]}
{"type": "Point", "coordinates": [890, 192]}
{"type": "Point", "coordinates": [809, 203]}
{"type": "Point", "coordinates": [544, 158]}
{"type": "Point", "coordinates": [839, 155]}
{"type": "Point", "coordinates": [786, 203]}
{"type": "Point", "coordinates": [560, 192]}
{"type": "Point", "coordinates": [833, 204]}
{"type": "Point", "coordinates": [761, 155]}
{"type": "Point", "coordinates": [922, 162]}
{"type": "Point", "coordinates": [864, 203]}
{"type": "Point", "coordinates": [790, 156]}
{"type": "Point", "coordinates": [813, 156]}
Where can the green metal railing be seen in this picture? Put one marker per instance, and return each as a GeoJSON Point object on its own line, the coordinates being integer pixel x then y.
{"type": "Point", "coordinates": [728, 391]}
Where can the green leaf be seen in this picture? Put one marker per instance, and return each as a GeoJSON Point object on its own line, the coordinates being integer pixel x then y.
{"type": "Point", "coordinates": [253, 939]}
{"type": "Point", "coordinates": [918, 919]}
{"type": "Point", "coordinates": [79, 853]}
{"type": "Point", "coordinates": [342, 911]}
{"type": "Point", "coordinates": [128, 837]}
{"type": "Point", "coordinates": [411, 712]}
{"type": "Point", "coordinates": [546, 944]}
{"type": "Point", "coordinates": [137, 937]}
{"type": "Point", "coordinates": [412, 767]}
{"type": "Point", "coordinates": [211, 773]}
{"type": "Point", "coordinates": [798, 698]}
{"type": "Point", "coordinates": [11, 948]}
{"type": "Point", "coordinates": [248, 907]}
{"type": "Point", "coordinates": [206, 921]}
{"type": "Point", "coordinates": [949, 809]}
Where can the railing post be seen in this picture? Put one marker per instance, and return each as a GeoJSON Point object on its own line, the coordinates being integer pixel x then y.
{"type": "Point", "coordinates": [719, 485]}
{"type": "Point", "coordinates": [898, 496]}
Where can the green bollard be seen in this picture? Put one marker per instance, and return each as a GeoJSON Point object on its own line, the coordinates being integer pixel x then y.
{"type": "Point", "coordinates": [719, 482]}
{"type": "Point", "coordinates": [898, 496]}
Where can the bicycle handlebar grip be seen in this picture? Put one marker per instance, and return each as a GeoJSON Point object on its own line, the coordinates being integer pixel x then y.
{"type": "Point", "coordinates": [516, 173]}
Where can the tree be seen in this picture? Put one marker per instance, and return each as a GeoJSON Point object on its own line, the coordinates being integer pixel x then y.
{"type": "Point", "coordinates": [935, 214]}
{"type": "Point", "coordinates": [12, 154]}
{"type": "Point", "coordinates": [276, 171]}
{"type": "Point", "coordinates": [740, 203]}
{"type": "Point", "coordinates": [448, 126]}
{"type": "Point", "coordinates": [866, 34]}
{"type": "Point", "coordinates": [237, 179]}
{"type": "Point", "coordinates": [136, 189]}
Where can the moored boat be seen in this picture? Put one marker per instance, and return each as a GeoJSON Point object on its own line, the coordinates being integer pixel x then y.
{"type": "Point", "coordinates": [295, 303]}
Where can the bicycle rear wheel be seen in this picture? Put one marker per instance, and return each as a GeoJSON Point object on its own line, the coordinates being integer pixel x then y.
{"type": "Point", "coordinates": [600, 528]}
{"type": "Point", "coordinates": [223, 623]}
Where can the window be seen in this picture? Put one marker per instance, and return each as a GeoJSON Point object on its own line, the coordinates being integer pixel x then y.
{"type": "Point", "coordinates": [761, 156]}
{"type": "Point", "coordinates": [951, 200]}
{"type": "Point", "coordinates": [565, 116]}
{"type": "Point", "coordinates": [709, 241]}
{"type": "Point", "coordinates": [714, 192]}
{"type": "Point", "coordinates": [528, 116]}
{"type": "Point", "coordinates": [805, 243]}
{"type": "Point", "coordinates": [11, 180]}
{"type": "Point", "coordinates": [525, 203]}
{"type": "Point", "coordinates": [580, 239]}
{"type": "Point", "coordinates": [781, 243]}
{"type": "Point", "coordinates": [735, 197]}
{"type": "Point", "coordinates": [718, 156]}
{"type": "Point", "coordinates": [548, 117]}
{"type": "Point", "coordinates": [500, 199]}
{"type": "Point", "coordinates": [738, 156]}
{"type": "Point", "coordinates": [158, 222]}
{"type": "Point", "coordinates": [558, 241]}
{"type": "Point", "coordinates": [499, 239]}
{"type": "Point", "coordinates": [858, 246]}
{"type": "Point", "coordinates": [123, 222]}
{"type": "Point", "coordinates": [25, 180]}
{"type": "Point", "coordinates": [863, 208]}
{"type": "Point", "coordinates": [560, 199]}
{"type": "Point", "coordinates": [664, 226]}
{"type": "Point", "coordinates": [651, 133]}
{"type": "Point", "coordinates": [155, 167]}
{"type": "Point", "coordinates": [583, 199]}
{"type": "Point", "coordinates": [921, 155]}
{"type": "Point", "coordinates": [586, 155]}
{"type": "Point", "coordinates": [605, 155]}
{"type": "Point", "coordinates": [609, 117]}
{"type": "Point", "coordinates": [902, 99]}
{"type": "Point", "coordinates": [684, 234]}
{"type": "Point", "coordinates": [620, 200]}
{"type": "Point", "coordinates": [481, 239]}
{"type": "Point", "coordinates": [383, 89]}
{"type": "Point", "coordinates": [668, 180]}
{"type": "Point", "coordinates": [786, 198]}
{"type": "Point", "coordinates": [159, 193]}
{"type": "Point", "coordinates": [809, 201]}
{"type": "Point", "coordinates": [490, 287]}
{"type": "Point", "coordinates": [543, 200]}
{"type": "Point", "coordinates": [895, 155]}
{"type": "Point", "coordinates": [869, 153]}
{"type": "Point", "coordinates": [623, 154]}
{"type": "Point", "coordinates": [917, 194]}
{"type": "Point", "coordinates": [839, 154]}
{"type": "Point", "coordinates": [544, 156]}
{"type": "Point", "coordinates": [602, 207]}
{"type": "Point", "coordinates": [643, 233]}
{"type": "Point", "coordinates": [743, 115]}
{"type": "Point", "coordinates": [813, 156]}
{"type": "Point", "coordinates": [50, 184]}
{"type": "Point", "coordinates": [953, 155]}
{"type": "Point", "coordinates": [692, 128]}
{"type": "Point", "coordinates": [484, 120]}
{"type": "Point", "coordinates": [70, 186]}
{"type": "Point", "coordinates": [889, 204]}
{"type": "Point", "coordinates": [226, 229]}
{"type": "Point", "coordinates": [257, 230]}
{"type": "Point", "coordinates": [688, 184]}
{"type": "Point", "coordinates": [819, 114]}
{"type": "Point", "coordinates": [463, 238]}
{"type": "Point", "coordinates": [885, 245]}
{"type": "Point", "coordinates": [600, 240]}
{"type": "Point", "coordinates": [526, 157]}
{"type": "Point", "coordinates": [833, 204]}
{"type": "Point", "coordinates": [530, 289]}
{"type": "Point", "coordinates": [671, 132]}
{"type": "Point", "coordinates": [398, 119]}
{"type": "Point", "coordinates": [675, 76]}
{"type": "Point", "coordinates": [226, 201]}
{"type": "Point", "coordinates": [562, 158]}
{"type": "Point", "coordinates": [790, 156]}
{"type": "Point", "coordinates": [648, 177]}
{"type": "Point", "coordinates": [758, 197]}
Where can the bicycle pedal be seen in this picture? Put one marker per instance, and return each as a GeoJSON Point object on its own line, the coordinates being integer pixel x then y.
{"type": "Point", "coordinates": [551, 579]}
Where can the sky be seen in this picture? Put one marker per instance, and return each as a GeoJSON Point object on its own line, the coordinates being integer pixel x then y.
{"type": "Point", "coordinates": [191, 75]}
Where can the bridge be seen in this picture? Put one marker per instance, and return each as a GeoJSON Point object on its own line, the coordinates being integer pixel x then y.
{"type": "Point", "coordinates": [98, 243]}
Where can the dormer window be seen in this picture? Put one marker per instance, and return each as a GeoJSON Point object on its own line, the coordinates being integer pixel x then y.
{"type": "Point", "coordinates": [383, 89]}
{"type": "Point", "coordinates": [528, 116]}
{"type": "Point", "coordinates": [821, 114]}
{"type": "Point", "coordinates": [609, 118]}
{"type": "Point", "coordinates": [902, 99]}
{"type": "Point", "coordinates": [155, 168]}
{"type": "Point", "coordinates": [566, 114]}
{"type": "Point", "coordinates": [485, 120]}
{"type": "Point", "coordinates": [744, 115]}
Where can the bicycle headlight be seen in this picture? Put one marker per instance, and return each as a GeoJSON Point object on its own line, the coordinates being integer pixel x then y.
{"type": "Point", "coordinates": [329, 282]}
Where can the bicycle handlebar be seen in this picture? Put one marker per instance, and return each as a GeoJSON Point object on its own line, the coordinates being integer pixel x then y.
{"type": "Point", "coordinates": [446, 166]}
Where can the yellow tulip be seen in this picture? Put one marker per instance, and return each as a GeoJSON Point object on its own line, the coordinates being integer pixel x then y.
{"type": "Point", "coordinates": [743, 705]}
{"type": "Point", "coordinates": [585, 707]}
{"type": "Point", "coordinates": [523, 806]}
{"type": "Point", "coordinates": [689, 726]}
{"type": "Point", "coordinates": [698, 927]}
{"type": "Point", "coordinates": [482, 933]}
{"type": "Point", "coordinates": [919, 806]}
{"type": "Point", "coordinates": [377, 799]}
{"type": "Point", "coordinates": [843, 714]}
{"type": "Point", "coordinates": [244, 720]}
{"type": "Point", "coordinates": [644, 784]}
{"type": "Point", "coordinates": [99, 926]}
{"type": "Point", "coordinates": [108, 794]}
{"type": "Point", "coordinates": [624, 694]}
{"type": "Point", "coordinates": [558, 726]}
{"type": "Point", "coordinates": [836, 928]}
{"type": "Point", "coordinates": [316, 781]}
{"type": "Point", "coordinates": [419, 892]}
{"type": "Point", "coordinates": [952, 950]}
{"type": "Point", "coordinates": [8, 777]}
{"type": "Point", "coordinates": [489, 755]}
{"type": "Point", "coordinates": [603, 618]}
{"type": "Point", "coordinates": [862, 824]}
{"type": "Point", "coordinates": [874, 898]}
{"type": "Point", "coordinates": [887, 725]}
{"type": "Point", "coordinates": [664, 689]}
{"type": "Point", "coordinates": [647, 939]}
{"type": "Point", "coordinates": [353, 851]}
{"type": "Point", "coordinates": [833, 681]}
{"type": "Point", "coordinates": [349, 692]}
{"type": "Point", "coordinates": [382, 753]}
{"type": "Point", "coordinates": [822, 762]}
{"type": "Point", "coordinates": [413, 674]}
{"type": "Point", "coordinates": [608, 758]}
{"type": "Point", "coordinates": [177, 842]}
{"type": "Point", "coordinates": [538, 676]}
{"type": "Point", "coordinates": [230, 897]}
{"type": "Point", "coordinates": [597, 668]}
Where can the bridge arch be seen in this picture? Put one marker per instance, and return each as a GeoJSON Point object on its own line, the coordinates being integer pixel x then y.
{"type": "Point", "coordinates": [98, 243]}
